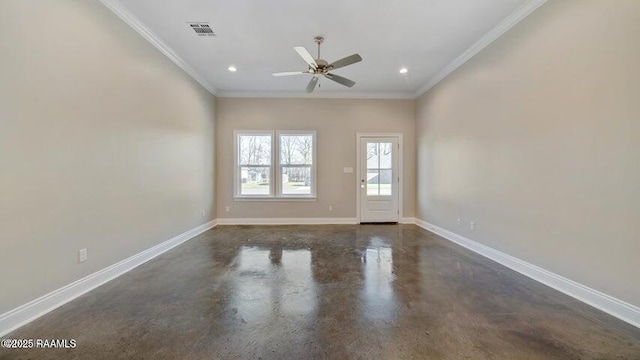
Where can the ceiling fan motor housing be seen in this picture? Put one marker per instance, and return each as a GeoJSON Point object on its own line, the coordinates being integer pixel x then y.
{"type": "Point", "coordinates": [323, 66]}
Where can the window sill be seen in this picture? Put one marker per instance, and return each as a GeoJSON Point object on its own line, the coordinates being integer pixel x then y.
{"type": "Point", "coordinates": [272, 198]}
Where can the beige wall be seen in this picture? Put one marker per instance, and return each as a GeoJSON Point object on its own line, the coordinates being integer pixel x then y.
{"type": "Point", "coordinates": [336, 123]}
{"type": "Point", "coordinates": [104, 144]}
{"type": "Point", "coordinates": [537, 140]}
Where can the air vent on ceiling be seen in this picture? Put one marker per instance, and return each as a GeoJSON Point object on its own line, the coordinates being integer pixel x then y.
{"type": "Point", "coordinates": [202, 29]}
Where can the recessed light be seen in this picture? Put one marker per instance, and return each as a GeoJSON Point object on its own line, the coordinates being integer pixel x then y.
{"type": "Point", "coordinates": [403, 71]}
{"type": "Point", "coordinates": [232, 68]}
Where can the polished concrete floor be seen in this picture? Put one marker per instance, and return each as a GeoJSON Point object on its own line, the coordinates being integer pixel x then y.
{"type": "Point", "coordinates": [327, 292]}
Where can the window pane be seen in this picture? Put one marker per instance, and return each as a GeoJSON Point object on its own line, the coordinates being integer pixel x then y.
{"type": "Point", "coordinates": [373, 187]}
{"type": "Point", "coordinates": [385, 182]}
{"type": "Point", "coordinates": [296, 149]}
{"type": "Point", "coordinates": [254, 180]}
{"type": "Point", "coordinates": [372, 155]}
{"type": "Point", "coordinates": [254, 149]}
{"type": "Point", "coordinates": [296, 180]}
{"type": "Point", "coordinates": [385, 155]}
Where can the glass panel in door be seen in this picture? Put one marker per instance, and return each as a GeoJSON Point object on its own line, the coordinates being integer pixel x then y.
{"type": "Point", "coordinates": [379, 168]}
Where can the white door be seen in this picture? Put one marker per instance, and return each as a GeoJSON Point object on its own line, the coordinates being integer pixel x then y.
{"type": "Point", "coordinates": [379, 179]}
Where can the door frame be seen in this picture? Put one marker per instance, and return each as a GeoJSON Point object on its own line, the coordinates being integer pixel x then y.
{"type": "Point", "coordinates": [359, 137]}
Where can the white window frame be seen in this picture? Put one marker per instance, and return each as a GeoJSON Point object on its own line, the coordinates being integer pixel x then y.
{"type": "Point", "coordinates": [278, 166]}
{"type": "Point", "coordinates": [275, 185]}
{"type": "Point", "coordinates": [236, 165]}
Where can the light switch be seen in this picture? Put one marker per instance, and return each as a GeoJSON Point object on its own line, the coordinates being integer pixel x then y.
{"type": "Point", "coordinates": [347, 170]}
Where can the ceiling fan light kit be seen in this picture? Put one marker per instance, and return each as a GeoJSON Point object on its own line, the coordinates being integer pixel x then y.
{"type": "Point", "coordinates": [320, 68]}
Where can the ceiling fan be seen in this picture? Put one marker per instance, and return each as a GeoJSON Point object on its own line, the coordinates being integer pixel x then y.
{"type": "Point", "coordinates": [319, 67]}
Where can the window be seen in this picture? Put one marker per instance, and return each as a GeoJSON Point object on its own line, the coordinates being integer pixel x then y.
{"type": "Point", "coordinates": [296, 161]}
{"type": "Point", "coordinates": [254, 164]}
{"type": "Point", "coordinates": [379, 172]}
{"type": "Point", "coordinates": [275, 164]}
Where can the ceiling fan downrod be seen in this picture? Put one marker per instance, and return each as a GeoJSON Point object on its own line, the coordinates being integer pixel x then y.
{"type": "Point", "coordinates": [318, 40]}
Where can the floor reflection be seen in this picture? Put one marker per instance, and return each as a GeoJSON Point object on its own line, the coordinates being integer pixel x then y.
{"type": "Point", "coordinates": [268, 281]}
{"type": "Point", "coordinates": [326, 292]}
{"type": "Point", "coordinates": [254, 290]}
{"type": "Point", "coordinates": [299, 294]}
{"type": "Point", "coordinates": [377, 293]}
{"type": "Point", "coordinates": [314, 290]}
{"type": "Point", "coordinates": [273, 282]}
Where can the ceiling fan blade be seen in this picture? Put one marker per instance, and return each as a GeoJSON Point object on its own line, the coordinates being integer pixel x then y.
{"type": "Point", "coordinates": [288, 73]}
{"type": "Point", "coordinates": [340, 79]}
{"type": "Point", "coordinates": [312, 84]}
{"type": "Point", "coordinates": [304, 54]}
{"type": "Point", "coordinates": [345, 61]}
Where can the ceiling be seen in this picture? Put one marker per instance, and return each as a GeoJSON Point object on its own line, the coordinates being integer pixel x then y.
{"type": "Point", "coordinates": [257, 37]}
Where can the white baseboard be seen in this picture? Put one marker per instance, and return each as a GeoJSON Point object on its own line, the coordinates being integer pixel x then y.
{"type": "Point", "coordinates": [299, 221]}
{"type": "Point", "coordinates": [286, 221]}
{"type": "Point", "coordinates": [616, 307]}
{"type": "Point", "coordinates": [32, 310]}
{"type": "Point", "coordinates": [26, 313]}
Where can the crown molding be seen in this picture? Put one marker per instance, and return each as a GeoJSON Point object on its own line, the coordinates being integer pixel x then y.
{"type": "Point", "coordinates": [493, 34]}
{"type": "Point", "coordinates": [123, 13]}
{"type": "Point", "coordinates": [317, 95]}
{"type": "Point", "coordinates": [511, 20]}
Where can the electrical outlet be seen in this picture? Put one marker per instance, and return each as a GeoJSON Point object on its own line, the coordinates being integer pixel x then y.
{"type": "Point", "coordinates": [202, 214]}
{"type": "Point", "coordinates": [330, 207]}
{"type": "Point", "coordinates": [459, 221]}
{"type": "Point", "coordinates": [472, 225]}
{"type": "Point", "coordinates": [82, 255]}
{"type": "Point", "coordinates": [227, 209]}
